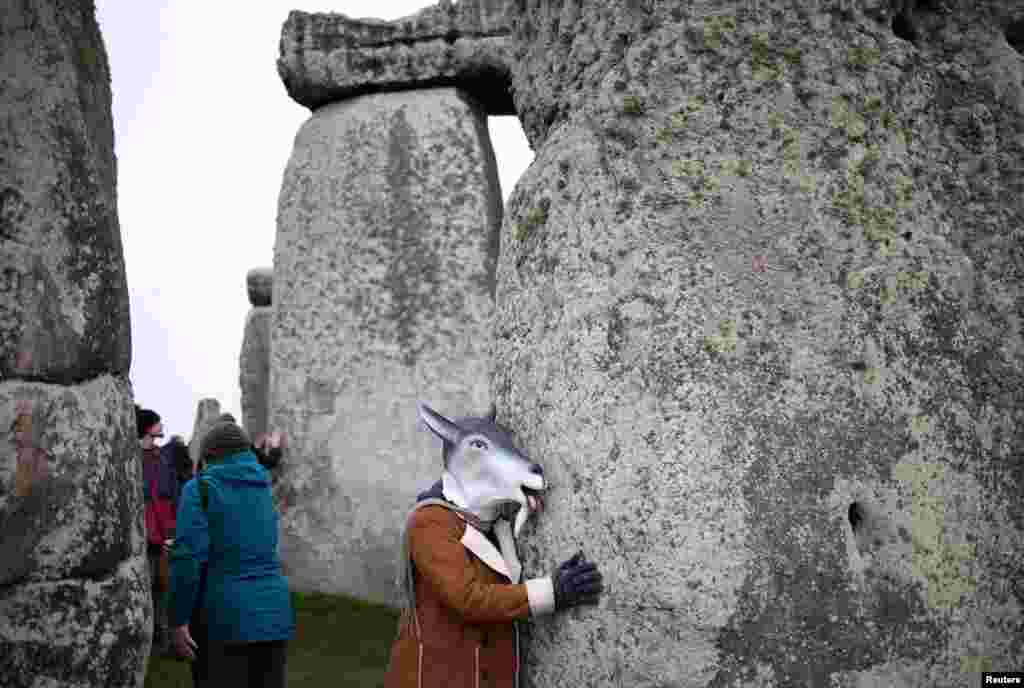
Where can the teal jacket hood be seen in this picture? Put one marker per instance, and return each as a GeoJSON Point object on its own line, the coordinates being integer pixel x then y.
{"type": "Point", "coordinates": [241, 467]}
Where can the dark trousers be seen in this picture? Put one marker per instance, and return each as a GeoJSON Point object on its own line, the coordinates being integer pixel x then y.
{"type": "Point", "coordinates": [201, 664]}
{"type": "Point", "coordinates": [250, 665]}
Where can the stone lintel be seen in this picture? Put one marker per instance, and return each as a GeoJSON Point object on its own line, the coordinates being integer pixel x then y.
{"type": "Point", "coordinates": [327, 57]}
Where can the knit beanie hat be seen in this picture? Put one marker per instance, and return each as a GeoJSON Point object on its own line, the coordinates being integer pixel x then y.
{"type": "Point", "coordinates": [223, 438]}
{"type": "Point", "coordinates": [144, 420]}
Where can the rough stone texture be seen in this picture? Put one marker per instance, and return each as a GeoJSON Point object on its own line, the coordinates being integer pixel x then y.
{"type": "Point", "coordinates": [259, 282]}
{"type": "Point", "coordinates": [64, 311]}
{"type": "Point", "coordinates": [79, 633]}
{"type": "Point", "coordinates": [74, 602]}
{"type": "Point", "coordinates": [70, 493]}
{"type": "Point", "coordinates": [326, 58]}
{"type": "Point", "coordinates": [254, 363]}
{"type": "Point", "coordinates": [207, 411]}
{"type": "Point", "coordinates": [759, 314]}
{"type": "Point", "coordinates": [383, 285]}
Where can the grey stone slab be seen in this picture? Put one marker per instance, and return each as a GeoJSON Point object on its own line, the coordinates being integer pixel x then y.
{"type": "Point", "coordinates": [78, 633]}
{"type": "Point", "coordinates": [758, 315]}
{"type": "Point", "coordinates": [64, 310]}
{"type": "Point", "coordinates": [254, 364]}
{"type": "Point", "coordinates": [329, 57]}
{"type": "Point", "coordinates": [383, 279]}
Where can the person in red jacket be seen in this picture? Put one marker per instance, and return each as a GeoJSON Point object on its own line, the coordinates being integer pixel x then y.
{"type": "Point", "coordinates": [160, 489]}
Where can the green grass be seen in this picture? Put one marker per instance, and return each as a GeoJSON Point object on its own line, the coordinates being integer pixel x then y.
{"type": "Point", "coordinates": [339, 642]}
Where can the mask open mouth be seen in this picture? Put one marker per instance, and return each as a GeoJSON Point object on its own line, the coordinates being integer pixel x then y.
{"type": "Point", "coordinates": [534, 499]}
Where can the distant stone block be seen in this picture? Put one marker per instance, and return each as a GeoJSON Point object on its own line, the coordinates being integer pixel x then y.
{"type": "Point", "coordinates": [260, 284]}
{"type": "Point", "coordinates": [254, 365]}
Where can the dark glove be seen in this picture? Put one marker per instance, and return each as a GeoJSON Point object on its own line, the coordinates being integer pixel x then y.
{"type": "Point", "coordinates": [576, 581]}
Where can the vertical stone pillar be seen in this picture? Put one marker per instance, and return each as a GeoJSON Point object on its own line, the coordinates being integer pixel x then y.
{"type": "Point", "coordinates": [254, 360]}
{"type": "Point", "coordinates": [759, 314]}
{"type": "Point", "coordinates": [75, 606]}
{"type": "Point", "coordinates": [207, 412]}
{"type": "Point", "coordinates": [383, 282]}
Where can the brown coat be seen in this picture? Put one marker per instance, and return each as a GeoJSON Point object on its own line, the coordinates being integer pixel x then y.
{"type": "Point", "coordinates": [465, 609]}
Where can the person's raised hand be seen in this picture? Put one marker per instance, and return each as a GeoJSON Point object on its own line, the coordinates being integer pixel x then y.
{"type": "Point", "coordinates": [184, 645]}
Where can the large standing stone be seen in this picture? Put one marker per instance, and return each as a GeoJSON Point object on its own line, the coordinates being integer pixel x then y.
{"type": "Point", "coordinates": [64, 317]}
{"type": "Point", "coordinates": [383, 282]}
{"type": "Point", "coordinates": [759, 314]}
{"type": "Point", "coordinates": [75, 608]}
{"type": "Point", "coordinates": [254, 364]}
{"type": "Point", "coordinates": [207, 412]}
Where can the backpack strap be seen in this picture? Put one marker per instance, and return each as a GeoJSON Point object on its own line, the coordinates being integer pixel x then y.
{"type": "Point", "coordinates": [204, 492]}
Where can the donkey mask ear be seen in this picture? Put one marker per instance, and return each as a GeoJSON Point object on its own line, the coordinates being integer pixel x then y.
{"type": "Point", "coordinates": [439, 425]}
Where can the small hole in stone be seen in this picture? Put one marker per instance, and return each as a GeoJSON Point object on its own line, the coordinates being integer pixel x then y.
{"type": "Point", "coordinates": [856, 515]}
{"type": "Point", "coordinates": [908, 235]}
{"type": "Point", "coordinates": [904, 28]}
{"type": "Point", "coordinates": [1015, 36]}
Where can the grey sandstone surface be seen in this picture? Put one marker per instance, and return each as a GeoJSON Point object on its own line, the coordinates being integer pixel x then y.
{"type": "Point", "coordinates": [759, 315]}
{"type": "Point", "coordinates": [207, 411]}
{"type": "Point", "coordinates": [64, 317]}
{"type": "Point", "coordinates": [383, 286]}
{"type": "Point", "coordinates": [254, 366]}
{"type": "Point", "coordinates": [326, 58]}
{"type": "Point", "coordinates": [259, 283]}
{"type": "Point", "coordinates": [75, 608]}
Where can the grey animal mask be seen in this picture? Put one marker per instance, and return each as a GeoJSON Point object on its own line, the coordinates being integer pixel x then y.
{"type": "Point", "coordinates": [483, 470]}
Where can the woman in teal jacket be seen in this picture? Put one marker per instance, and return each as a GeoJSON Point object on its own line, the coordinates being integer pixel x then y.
{"type": "Point", "coordinates": [226, 518]}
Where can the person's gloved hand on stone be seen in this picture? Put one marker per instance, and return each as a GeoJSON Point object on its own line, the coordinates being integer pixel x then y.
{"type": "Point", "coordinates": [576, 581]}
{"type": "Point", "coordinates": [269, 447]}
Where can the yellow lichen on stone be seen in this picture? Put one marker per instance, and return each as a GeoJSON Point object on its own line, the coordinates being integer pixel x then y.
{"type": "Point", "coordinates": [920, 425]}
{"type": "Point", "coordinates": [737, 168]}
{"type": "Point", "coordinates": [792, 55]}
{"type": "Point", "coordinates": [975, 664]}
{"type": "Point", "coordinates": [855, 279]}
{"type": "Point", "coordinates": [863, 56]}
{"type": "Point", "coordinates": [715, 28]}
{"type": "Point", "coordinates": [904, 191]}
{"type": "Point", "coordinates": [845, 118]}
{"type": "Point", "coordinates": [872, 376]}
{"type": "Point", "coordinates": [912, 280]}
{"type": "Point", "coordinates": [937, 561]}
{"type": "Point", "coordinates": [775, 120]}
{"type": "Point", "coordinates": [726, 339]}
{"type": "Point", "coordinates": [888, 119]}
{"type": "Point", "coordinates": [632, 105]}
{"type": "Point", "coordinates": [688, 168]}
{"type": "Point", "coordinates": [888, 295]}
{"type": "Point", "coordinates": [535, 217]}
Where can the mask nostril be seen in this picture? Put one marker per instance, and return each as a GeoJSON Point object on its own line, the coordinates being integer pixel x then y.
{"type": "Point", "coordinates": [537, 469]}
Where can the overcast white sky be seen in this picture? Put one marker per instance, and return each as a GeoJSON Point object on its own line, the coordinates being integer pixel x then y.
{"type": "Point", "coordinates": [203, 129]}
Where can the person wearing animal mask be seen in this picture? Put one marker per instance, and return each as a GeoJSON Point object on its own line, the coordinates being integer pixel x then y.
{"type": "Point", "coordinates": [459, 572]}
